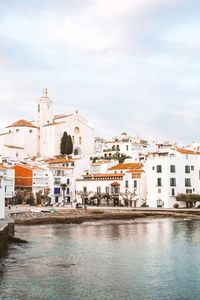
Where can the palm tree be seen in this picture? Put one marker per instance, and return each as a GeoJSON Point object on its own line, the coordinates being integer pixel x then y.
{"type": "Point", "coordinates": [63, 187]}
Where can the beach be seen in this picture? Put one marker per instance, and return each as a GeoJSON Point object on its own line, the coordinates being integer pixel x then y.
{"type": "Point", "coordinates": [25, 215]}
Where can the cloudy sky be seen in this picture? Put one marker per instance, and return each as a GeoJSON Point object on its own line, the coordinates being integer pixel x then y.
{"type": "Point", "coordinates": [130, 65]}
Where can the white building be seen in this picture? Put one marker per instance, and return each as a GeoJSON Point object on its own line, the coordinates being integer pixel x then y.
{"type": "Point", "coordinates": [62, 178]}
{"type": "Point", "coordinates": [124, 144]}
{"type": "Point", "coordinates": [117, 179]}
{"type": "Point", "coordinates": [170, 172]}
{"type": "Point", "coordinates": [9, 182]}
{"type": "Point", "coordinates": [42, 137]}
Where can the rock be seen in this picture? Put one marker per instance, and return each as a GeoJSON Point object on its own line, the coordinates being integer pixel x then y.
{"type": "Point", "coordinates": [13, 239]}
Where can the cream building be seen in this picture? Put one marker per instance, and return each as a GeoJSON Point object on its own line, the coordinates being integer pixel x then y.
{"type": "Point", "coordinates": [41, 137]}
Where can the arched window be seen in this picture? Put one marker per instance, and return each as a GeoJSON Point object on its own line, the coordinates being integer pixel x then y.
{"type": "Point", "coordinates": [76, 130]}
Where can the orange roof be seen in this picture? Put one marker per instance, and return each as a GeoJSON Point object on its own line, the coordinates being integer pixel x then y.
{"type": "Point", "coordinates": [101, 162]}
{"type": "Point", "coordinates": [115, 183]}
{"type": "Point", "coordinates": [186, 151]}
{"type": "Point", "coordinates": [104, 175]}
{"type": "Point", "coordinates": [59, 160]}
{"type": "Point", "coordinates": [2, 167]}
{"type": "Point", "coordinates": [22, 123]}
{"type": "Point", "coordinates": [126, 166]}
{"type": "Point", "coordinates": [136, 171]}
{"type": "Point", "coordinates": [13, 146]}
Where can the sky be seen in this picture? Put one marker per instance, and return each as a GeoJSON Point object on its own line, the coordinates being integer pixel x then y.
{"type": "Point", "coordinates": [127, 66]}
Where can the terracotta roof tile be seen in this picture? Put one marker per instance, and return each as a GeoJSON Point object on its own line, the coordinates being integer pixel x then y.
{"type": "Point", "coordinates": [186, 151]}
{"type": "Point", "coordinates": [126, 166]}
{"type": "Point", "coordinates": [59, 160]}
{"type": "Point", "coordinates": [22, 123]}
{"type": "Point", "coordinates": [95, 175]}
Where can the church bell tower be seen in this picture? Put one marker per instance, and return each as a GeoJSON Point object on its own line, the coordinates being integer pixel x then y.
{"type": "Point", "coordinates": [45, 109]}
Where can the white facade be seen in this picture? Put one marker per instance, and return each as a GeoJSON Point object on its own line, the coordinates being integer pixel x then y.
{"type": "Point", "coordinates": [40, 179]}
{"type": "Point", "coordinates": [169, 173]}
{"type": "Point", "coordinates": [9, 182]}
{"type": "Point", "coordinates": [42, 137]}
{"type": "Point", "coordinates": [121, 178]}
{"type": "Point", "coordinates": [64, 172]}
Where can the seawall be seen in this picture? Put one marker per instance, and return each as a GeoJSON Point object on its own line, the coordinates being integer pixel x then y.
{"type": "Point", "coordinates": [6, 228]}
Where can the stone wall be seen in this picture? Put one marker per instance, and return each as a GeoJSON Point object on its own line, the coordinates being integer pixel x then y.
{"type": "Point", "coordinates": [6, 228]}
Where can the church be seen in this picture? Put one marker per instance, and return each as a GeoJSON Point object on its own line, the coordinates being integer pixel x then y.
{"type": "Point", "coordinates": [41, 138]}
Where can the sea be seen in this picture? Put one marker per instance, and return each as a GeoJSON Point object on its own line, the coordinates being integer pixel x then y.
{"type": "Point", "coordinates": [139, 259]}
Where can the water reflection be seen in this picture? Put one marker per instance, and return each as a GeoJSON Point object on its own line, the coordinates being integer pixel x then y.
{"type": "Point", "coordinates": [141, 259]}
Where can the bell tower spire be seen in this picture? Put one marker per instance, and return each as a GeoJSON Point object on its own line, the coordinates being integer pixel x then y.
{"type": "Point", "coordinates": [45, 109]}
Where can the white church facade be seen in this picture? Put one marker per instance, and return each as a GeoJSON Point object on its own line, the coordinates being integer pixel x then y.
{"type": "Point", "coordinates": [42, 137]}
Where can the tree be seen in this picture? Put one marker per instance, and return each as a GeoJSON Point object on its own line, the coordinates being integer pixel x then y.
{"type": "Point", "coordinates": [63, 143]}
{"type": "Point", "coordinates": [84, 196]}
{"type": "Point", "coordinates": [69, 145]}
{"type": "Point", "coordinates": [63, 187]}
{"type": "Point", "coordinates": [189, 199]}
{"type": "Point", "coordinates": [128, 197]}
{"type": "Point", "coordinates": [42, 196]}
{"type": "Point", "coordinates": [66, 145]}
{"type": "Point", "coordinates": [23, 196]}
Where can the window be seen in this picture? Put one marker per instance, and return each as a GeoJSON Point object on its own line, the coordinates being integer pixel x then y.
{"type": "Point", "coordinates": [76, 130]}
{"type": "Point", "coordinates": [159, 169]}
{"type": "Point", "coordinates": [126, 147]}
{"type": "Point", "coordinates": [30, 130]}
{"type": "Point", "coordinates": [56, 180]}
{"type": "Point", "coordinates": [68, 181]}
{"type": "Point", "coordinates": [159, 182]}
{"type": "Point", "coordinates": [135, 184]}
{"type": "Point", "coordinates": [56, 191]}
{"type": "Point", "coordinates": [80, 140]}
{"type": "Point", "coordinates": [107, 190]}
{"type": "Point", "coordinates": [159, 203]}
{"type": "Point", "coordinates": [187, 169]}
{"type": "Point", "coordinates": [173, 192]}
{"type": "Point", "coordinates": [153, 168]}
{"type": "Point", "coordinates": [187, 181]}
{"type": "Point", "coordinates": [126, 184]}
{"type": "Point", "coordinates": [172, 181]}
{"type": "Point", "coordinates": [17, 130]}
{"type": "Point", "coordinates": [68, 190]}
{"type": "Point", "coordinates": [192, 168]}
{"type": "Point", "coordinates": [188, 191]}
{"type": "Point", "coordinates": [85, 189]}
{"type": "Point", "coordinates": [58, 173]}
{"type": "Point", "coordinates": [159, 191]}
{"type": "Point", "coordinates": [172, 168]}
{"type": "Point", "coordinates": [98, 189]}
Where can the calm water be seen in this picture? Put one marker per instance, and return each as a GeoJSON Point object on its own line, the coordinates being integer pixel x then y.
{"type": "Point", "coordinates": [147, 259]}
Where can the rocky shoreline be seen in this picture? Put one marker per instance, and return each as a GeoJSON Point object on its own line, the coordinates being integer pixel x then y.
{"type": "Point", "coordinates": [6, 229]}
{"type": "Point", "coordinates": [74, 216]}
